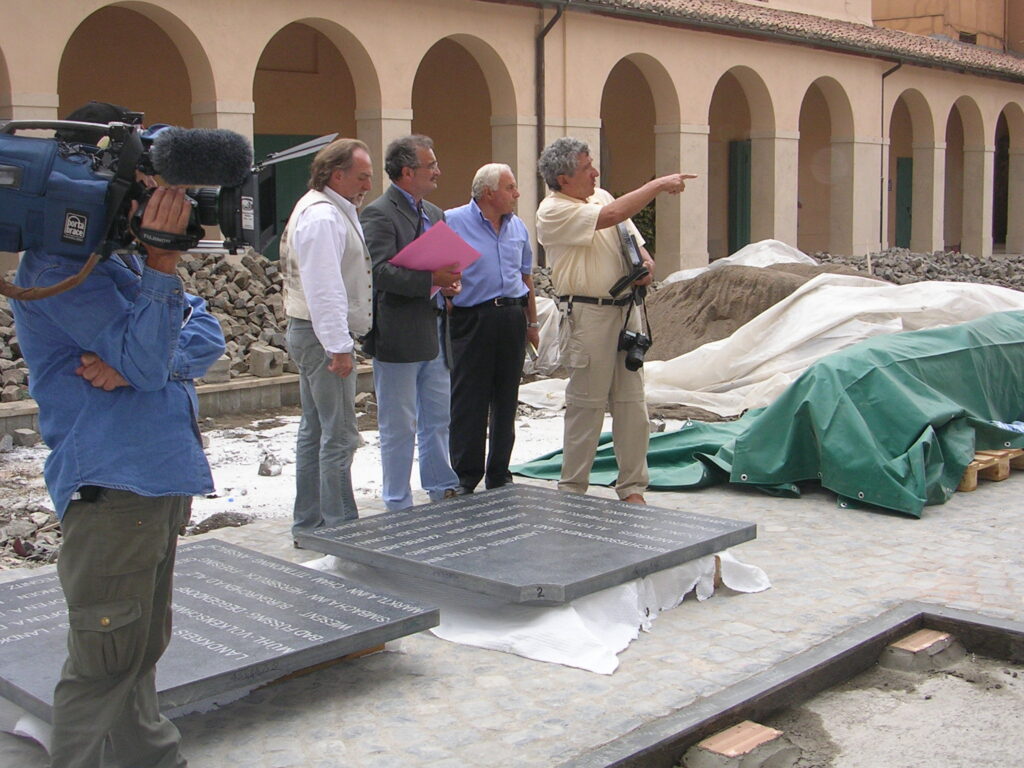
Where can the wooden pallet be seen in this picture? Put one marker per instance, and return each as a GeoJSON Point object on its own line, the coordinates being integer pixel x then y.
{"type": "Point", "coordinates": [991, 465]}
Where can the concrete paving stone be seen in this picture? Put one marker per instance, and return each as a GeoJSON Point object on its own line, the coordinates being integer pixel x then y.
{"type": "Point", "coordinates": [427, 702]}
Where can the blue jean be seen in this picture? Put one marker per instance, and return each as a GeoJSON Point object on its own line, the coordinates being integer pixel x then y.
{"type": "Point", "coordinates": [328, 436]}
{"type": "Point", "coordinates": [413, 408]}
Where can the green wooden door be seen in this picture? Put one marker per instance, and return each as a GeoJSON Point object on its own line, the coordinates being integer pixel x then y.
{"type": "Point", "coordinates": [739, 194]}
{"type": "Point", "coordinates": [292, 175]}
{"type": "Point", "coordinates": [904, 200]}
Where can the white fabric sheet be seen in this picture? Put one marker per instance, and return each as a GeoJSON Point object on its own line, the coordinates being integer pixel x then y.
{"type": "Point", "coordinates": [587, 633]}
{"type": "Point", "coordinates": [753, 366]}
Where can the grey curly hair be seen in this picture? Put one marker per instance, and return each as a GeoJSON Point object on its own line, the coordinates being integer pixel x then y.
{"type": "Point", "coordinates": [559, 158]}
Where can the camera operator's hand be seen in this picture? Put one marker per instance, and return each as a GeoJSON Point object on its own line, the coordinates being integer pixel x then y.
{"type": "Point", "coordinates": [168, 210]}
{"type": "Point", "coordinates": [99, 374]}
{"type": "Point", "coordinates": [341, 364]}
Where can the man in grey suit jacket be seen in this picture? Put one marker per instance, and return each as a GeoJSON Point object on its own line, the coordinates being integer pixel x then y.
{"type": "Point", "coordinates": [410, 367]}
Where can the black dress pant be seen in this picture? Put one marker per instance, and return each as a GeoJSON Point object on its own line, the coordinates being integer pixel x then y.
{"type": "Point", "coordinates": [488, 344]}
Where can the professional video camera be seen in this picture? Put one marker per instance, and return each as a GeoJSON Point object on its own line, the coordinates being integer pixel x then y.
{"type": "Point", "coordinates": [75, 199]}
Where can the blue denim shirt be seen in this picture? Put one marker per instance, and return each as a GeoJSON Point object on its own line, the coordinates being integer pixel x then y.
{"type": "Point", "coordinates": [144, 437]}
{"type": "Point", "coordinates": [505, 256]}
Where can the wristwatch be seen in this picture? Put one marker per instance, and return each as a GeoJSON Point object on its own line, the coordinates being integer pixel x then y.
{"type": "Point", "coordinates": [533, 325]}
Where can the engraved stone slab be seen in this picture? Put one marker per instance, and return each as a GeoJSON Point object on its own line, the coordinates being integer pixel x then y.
{"type": "Point", "coordinates": [241, 619]}
{"type": "Point", "coordinates": [525, 544]}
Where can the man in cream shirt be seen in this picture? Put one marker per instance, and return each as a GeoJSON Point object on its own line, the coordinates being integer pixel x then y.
{"type": "Point", "coordinates": [581, 228]}
{"type": "Point", "coordinates": [328, 288]}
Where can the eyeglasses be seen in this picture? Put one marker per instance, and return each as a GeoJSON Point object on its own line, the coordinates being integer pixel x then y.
{"type": "Point", "coordinates": [432, 166]}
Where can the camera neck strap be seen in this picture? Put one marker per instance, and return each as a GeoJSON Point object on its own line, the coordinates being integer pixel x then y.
{"type": "Point", "coordinates": [639, 299]}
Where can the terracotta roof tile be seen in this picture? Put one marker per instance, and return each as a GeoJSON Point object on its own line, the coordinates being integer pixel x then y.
{"type": "Point", "coordinates": [816, 30]}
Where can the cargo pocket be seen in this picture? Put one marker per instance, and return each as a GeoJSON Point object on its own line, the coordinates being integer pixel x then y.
{"type": "Point", "coordinates": [570, 347]}
{"type": "Point", "coordinates": [574, 359]}
{"type": "Point", "coordinates": [104, 638]}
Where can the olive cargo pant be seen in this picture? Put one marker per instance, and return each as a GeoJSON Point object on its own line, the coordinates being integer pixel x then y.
{"type": "Point", "coordinates": [116, 565]}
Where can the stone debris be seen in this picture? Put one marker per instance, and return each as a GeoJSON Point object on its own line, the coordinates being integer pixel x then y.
{"type": "Point", "coordinates": [269, 466]}
{"type": "Point", "coordinates": [29, 533]}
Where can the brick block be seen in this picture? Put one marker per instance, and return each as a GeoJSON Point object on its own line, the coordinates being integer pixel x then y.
{"type": "Point", "coordinates": [265, 361]}
{"type": "Point", "coordinates": [921, 651]}
{"type": "Point", "coordinates": [745, 745]}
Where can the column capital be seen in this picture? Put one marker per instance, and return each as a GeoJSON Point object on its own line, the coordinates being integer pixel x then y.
{"type": "Point", "coordinates": [499, 121]}
{"type": "Point", "coordinates": [778, 135]}
{"type": "Point", "coordinates": [224, 108]}
{"type": "Point", "coordinates": [383, 114]}
{"type": "Point", "coordinates": [682, 128]}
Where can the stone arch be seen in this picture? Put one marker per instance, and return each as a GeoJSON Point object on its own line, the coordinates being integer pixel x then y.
{"type": "Point", "coordinates": [826, 169]}
{"type": "Point", "coordinates": [5, 89]}
{"type": "Point", "coordinates": [741, 171]}
{"type": "Point", "coordinates": [363, 72]}
{"type": "Point", "coordinates": [459, 116]}
{"type": "Point", "coordinates": [303, 87]}
{"type": "Point", "coordinates": [639, 115]}
{"type": "Point", "coordinates": [967, 209]}
{"type": "Point", "coordinates": [913, 212]}
{"type": "Point", "coordinates": [1008, 188]}
{"type": "Point", "coordinates": [170, 69]}
{"type": "Point", "coordinates": [194, 56]}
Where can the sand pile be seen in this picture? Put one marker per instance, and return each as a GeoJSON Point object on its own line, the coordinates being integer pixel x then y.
{"type": "Point", "coordinates": [712, 306]}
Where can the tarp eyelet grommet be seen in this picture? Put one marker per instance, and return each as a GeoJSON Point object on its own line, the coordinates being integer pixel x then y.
{"type": "Point", "coordinates": [860, 494]}
{"type": "Point", "coordinates": [743, 476]}
{"type": "Point", "coordinates": [1006, 444]}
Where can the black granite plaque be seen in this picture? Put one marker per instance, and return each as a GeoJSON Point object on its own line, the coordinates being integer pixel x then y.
{"type": "Point", "coordinates": [240, 619]}
{"type": "Point", "coordinates": [526, 544]}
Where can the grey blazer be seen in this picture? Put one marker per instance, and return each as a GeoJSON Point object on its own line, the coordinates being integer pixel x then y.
{"type": "Point", "coordinates": [405, 317]}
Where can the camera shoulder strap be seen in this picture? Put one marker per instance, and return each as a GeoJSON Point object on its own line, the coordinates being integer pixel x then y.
{"type": "Point", "coordinates": [120, 185]}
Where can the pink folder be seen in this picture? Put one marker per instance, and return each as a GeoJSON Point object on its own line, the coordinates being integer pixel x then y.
{"type": "Point", "coordinates": [438, 247]}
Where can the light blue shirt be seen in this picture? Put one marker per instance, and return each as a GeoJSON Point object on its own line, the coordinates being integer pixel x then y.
{"type": "Point", "coordinates": [142, 438]}
{"type": "Point", "coordinates": [505, 255]}
{"type": "Point", "coordinates": [416, 209]}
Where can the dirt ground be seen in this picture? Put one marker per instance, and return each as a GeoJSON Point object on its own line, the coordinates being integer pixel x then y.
{"type": "Point", "coordinates": [967, 714]}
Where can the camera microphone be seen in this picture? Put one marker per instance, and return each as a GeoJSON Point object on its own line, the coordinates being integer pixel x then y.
{"type": "Point", "coordinates": [201, 156]}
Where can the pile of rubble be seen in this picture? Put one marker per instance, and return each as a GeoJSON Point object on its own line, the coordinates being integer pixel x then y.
{"type": "Point", "coordinates": [13, 371]}
{"type": "Point", "coordinates": [900, 266]}
{"type": "Point", "coordinates": [243, 293]}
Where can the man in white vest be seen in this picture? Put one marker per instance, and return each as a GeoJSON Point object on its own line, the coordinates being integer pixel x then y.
{"type": "Point", "coordinates": [328, 290]}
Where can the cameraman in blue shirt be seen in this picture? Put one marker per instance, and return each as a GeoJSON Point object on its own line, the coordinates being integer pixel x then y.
{"type": "Point", "coordinates": [111, 367]}
{"type": "Point", "coordinates": [492, 319]}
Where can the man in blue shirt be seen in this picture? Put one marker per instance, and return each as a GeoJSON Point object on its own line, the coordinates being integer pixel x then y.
{"type": "Point", "coordinates": [492, 319]}
{"type": "Point", "coordinates": [112, 362]}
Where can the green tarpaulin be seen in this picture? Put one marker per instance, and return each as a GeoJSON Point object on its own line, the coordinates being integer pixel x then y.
{"type": "Point", "coordinates": [891, 422]}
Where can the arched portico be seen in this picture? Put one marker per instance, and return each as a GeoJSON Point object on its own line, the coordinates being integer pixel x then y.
{"type": "Point", "coordinates": [742, 151]}
{"type": "Point", "coordinates": [1012, 203]}
{"type": "Point", "coordinates": [969, 181]}
{"type": "Point", "coordinates": [5, 90]}
{"type": "Point", "coordinates": [152, 75]}
{"type": "Point", "coordinates": [641, 138]}
{"type": "Point", "coordinates": [827, 170]}
{"type": "Point", "coordinates": [916, 175]}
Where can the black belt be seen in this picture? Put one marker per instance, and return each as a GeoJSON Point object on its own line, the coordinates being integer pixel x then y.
{"type": "Point", "coordinates": [501, 301]}
{"type": "Point", "coordinates": [621, 302]}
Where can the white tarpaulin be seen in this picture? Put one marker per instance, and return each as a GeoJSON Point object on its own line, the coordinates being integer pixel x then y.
{"type": "Point", "coordinates": [750, 368]}
{"type": "Point", "coordinates": [760, 254]}
{"type": "Point", "coordinates": [586, 633]}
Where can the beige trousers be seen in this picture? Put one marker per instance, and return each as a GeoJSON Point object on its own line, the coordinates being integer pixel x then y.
{"type": "Point", "coordinates": [599, 382]}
